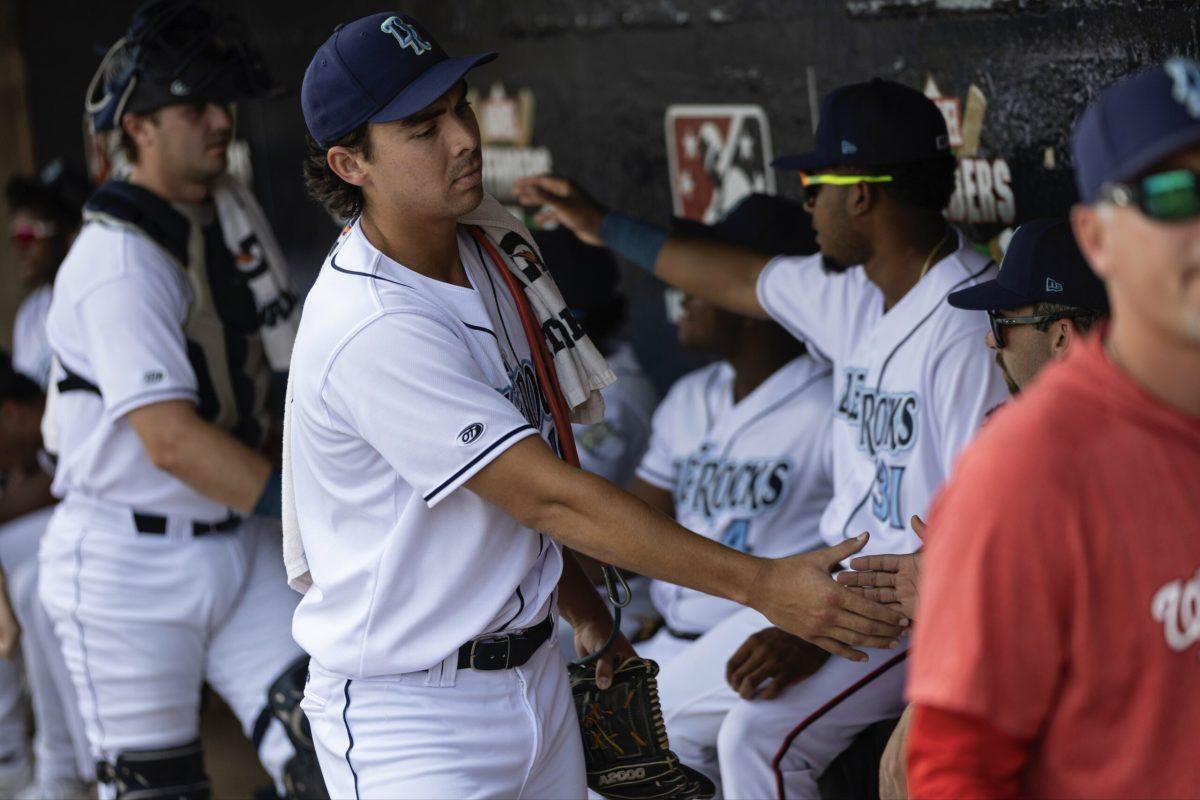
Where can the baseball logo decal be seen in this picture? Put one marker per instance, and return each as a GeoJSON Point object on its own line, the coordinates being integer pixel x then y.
{"type": "Point", "coordinates": [406, 35]}
{"type": "Point", "coordinates": [471, 433]}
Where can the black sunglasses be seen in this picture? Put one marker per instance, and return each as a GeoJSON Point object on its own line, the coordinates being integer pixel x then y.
{"type": "Point", "coordinates": [1172, 196]}
{"type": "Point", "coordinates": [999, 323]}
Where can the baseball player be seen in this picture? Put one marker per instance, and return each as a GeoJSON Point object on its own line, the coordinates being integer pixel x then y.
{"type": "Point", "coordinates": [740, 448]}
{"type": "Point", "coordinates": [1083, 497]}
{"type": "Point", "coordinates": [1042, 302]}
{"type": "Point", "coordinates": [167, 316]}
{"type": "Point", "coordinates": [45, 213]}
{"type": "Point", "coordinates": [424, 427]}
{"type": "Point", "coordinates": [912, 382]}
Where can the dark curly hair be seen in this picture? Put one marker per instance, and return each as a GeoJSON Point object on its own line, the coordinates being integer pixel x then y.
{"type": "Point", "coordinates": [342, 200]}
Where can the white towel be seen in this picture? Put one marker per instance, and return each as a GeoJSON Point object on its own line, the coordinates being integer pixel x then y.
{"type": "Point", "coordinates": [582, 371]}
{"type": "Point", "coordinates": [248, 236]}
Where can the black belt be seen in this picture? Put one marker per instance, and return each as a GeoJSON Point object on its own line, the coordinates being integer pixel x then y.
{"type": "Point", "coordinates": [157, 525]}
{"type": "Point", "coordinates": [690, 637]}
{"type": "Point", "coordinates": [504, 650]}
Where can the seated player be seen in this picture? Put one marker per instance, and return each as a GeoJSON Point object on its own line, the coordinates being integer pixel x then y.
{"type": "Point", "coordinates": [739, 450]}
{"type": "Point", "coordinates": [45, 211]}
{"type": "Point", "coordinates": [1043, 301]}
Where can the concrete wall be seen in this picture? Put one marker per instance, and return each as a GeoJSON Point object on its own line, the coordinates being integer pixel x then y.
{"type": "Point", "coordinates": [603, 74]}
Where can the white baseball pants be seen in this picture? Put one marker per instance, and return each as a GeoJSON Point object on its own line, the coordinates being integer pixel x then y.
{"type": "Point", "coordinates": [734, 741]}
{"type": "Point", "coordinates": [60, 745]}
{"type": "Point", "coordinates": [145, 619]}
{"type": "Point", "coordinates": [509, 733]}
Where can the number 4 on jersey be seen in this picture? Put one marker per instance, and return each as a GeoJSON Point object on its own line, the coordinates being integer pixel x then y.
{"type": "Point", "coordinates": [737, 535]}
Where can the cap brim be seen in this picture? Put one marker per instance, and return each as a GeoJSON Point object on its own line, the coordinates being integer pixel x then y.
{"type": "Point", "coordinates": [1150, 156]}
{"type": "Point", "coordinates": [804, 162]}
{"type": "Point", "coordinates": [433, 83]}
{"type": "Point", "coordinates": [987, 296]}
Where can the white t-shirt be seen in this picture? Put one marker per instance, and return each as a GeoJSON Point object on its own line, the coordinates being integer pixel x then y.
{"type": "Point", "coordinates": [911, 386]}
{"type": "Point", "coordinates": [31, 350]}
{"type": "Point", "coordinates": [129, 320]}
{"type": "Point", "coordinates": [403, 389]}
{"type": "Point", "coordinates": [613, 447]}
{"type": "Point", "coordinates": [755, 475]}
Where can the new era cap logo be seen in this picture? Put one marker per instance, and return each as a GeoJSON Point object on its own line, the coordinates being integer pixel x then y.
{"type": "Point", "coordinates": [406, 35]}
{"type": "Point", "coordinates": [848, 148]}
{"type": "Point", "coordinates": [1053, 285]}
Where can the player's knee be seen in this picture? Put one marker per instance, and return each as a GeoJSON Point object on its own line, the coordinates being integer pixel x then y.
{"type": "Point", "coordinates": [742, 733]}
{"type": "Point", "coordinates": [301, 774]}
{"type": "Point", "coordinates": [169, 773]}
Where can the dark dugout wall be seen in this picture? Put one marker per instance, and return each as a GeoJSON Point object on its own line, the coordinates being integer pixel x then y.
{"type": "Point", "coordinates": [1013, 73]}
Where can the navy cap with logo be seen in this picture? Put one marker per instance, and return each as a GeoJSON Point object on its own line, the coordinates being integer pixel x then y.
{"type": "Point", "coordinates": [871, 124]}
{"type": "Point", "coordinates": [1134, 123]}
{"type": "Point", "coordinates": [1043, 264]}
{"type": "Point", "coordinates": [380, 68]}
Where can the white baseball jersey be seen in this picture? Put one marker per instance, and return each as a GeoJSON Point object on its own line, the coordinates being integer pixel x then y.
{"type": "Point", "coordinates": [31, 350]}
{"type": "Point", "coordinates": [403, 389]}
{"type": "Point", "coordinates": [754, 475]}
{"type": "Point", "coordinates": [911, 386]}
{"type": "Point", "coordinates": [613, 447]}
{"type": "Point", "coordinates": [130, 326]}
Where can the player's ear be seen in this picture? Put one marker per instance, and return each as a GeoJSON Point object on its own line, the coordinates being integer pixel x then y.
{"type": "Point", "coordinates": [1062, 331]}
{"type": "Point", "coordinates": [861, 198]}
{"type": "Point", "coordinates": [1090, 229]}
{"type": "Point", "coordinates": [347, 164]}
{"type": "Point", "coordinates": [139, 128]}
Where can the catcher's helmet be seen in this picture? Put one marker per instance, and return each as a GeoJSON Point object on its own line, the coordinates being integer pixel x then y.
{"type": "Point", "coordinates": [175, 51]}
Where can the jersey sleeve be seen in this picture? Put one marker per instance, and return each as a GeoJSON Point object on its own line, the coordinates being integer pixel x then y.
{"type": "Point", "coordinates": [810, 301]}
{"type": "Point", "coordinates": [967, 387]}
{"type": "Point", "coordinates": [999, 572]}
{"type": "Point", "coordinates": [132, 327]}
{"type": "Point", "coordinates": [410, 387]}
{"type": "Point", "coordinates": [657, 466]}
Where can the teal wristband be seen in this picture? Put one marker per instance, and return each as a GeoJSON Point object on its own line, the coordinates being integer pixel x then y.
{"type": "Point", "coordinates": [634, 239]}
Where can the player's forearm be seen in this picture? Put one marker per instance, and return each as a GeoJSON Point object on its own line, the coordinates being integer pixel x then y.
{"type": "Point", "coordinates": [720, 273]}
{"type": "Point", "coordinates": [219, 467]}
{"type": "Point", "coordinates": [591, 515]}
{"type": "Point", "coordinates": [200, 454]}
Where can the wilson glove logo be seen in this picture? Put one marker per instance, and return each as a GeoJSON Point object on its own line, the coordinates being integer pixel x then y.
{"type": "Point", "coordinates": [471, 433]}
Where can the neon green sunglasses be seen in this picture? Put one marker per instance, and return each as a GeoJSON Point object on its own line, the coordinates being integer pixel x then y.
{"type": "Point", "coordinates": [813, 183]}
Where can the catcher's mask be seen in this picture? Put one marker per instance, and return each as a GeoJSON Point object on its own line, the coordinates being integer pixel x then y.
{"type": "Point", "coordinates": [175, 51]}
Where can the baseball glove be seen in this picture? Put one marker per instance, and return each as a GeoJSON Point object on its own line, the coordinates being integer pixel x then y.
{"type": "Point", "coordinates": [624, 740]}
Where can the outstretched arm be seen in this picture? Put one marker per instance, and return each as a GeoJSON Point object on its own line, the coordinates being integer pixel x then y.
{"type": "Point", "coordinates": [590, 515]}
{"type": "Point", "coordinates": [719, 273]}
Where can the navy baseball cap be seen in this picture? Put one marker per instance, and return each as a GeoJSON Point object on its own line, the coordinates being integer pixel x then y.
{"type": "Point", "coordinates": [1043, 264]}
{"type": "Point", "coordinates": [761, 222]}
{"type": "Point", "coordinates": [873, 123]}
{"type": "Point", "coordinates": [1134, 123]}
{"type": "Point", "coordinates": [380, 68]}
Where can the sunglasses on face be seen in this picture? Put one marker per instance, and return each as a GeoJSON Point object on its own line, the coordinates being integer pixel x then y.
{"type": "Point", "coordinates": [999, 323]}
{"type": "Point", "coordinates": [812, 182]}
{"type": "Point", "coordinates": [24, 234]}
{"type": "Point", "coordinates": [1172, 196]}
